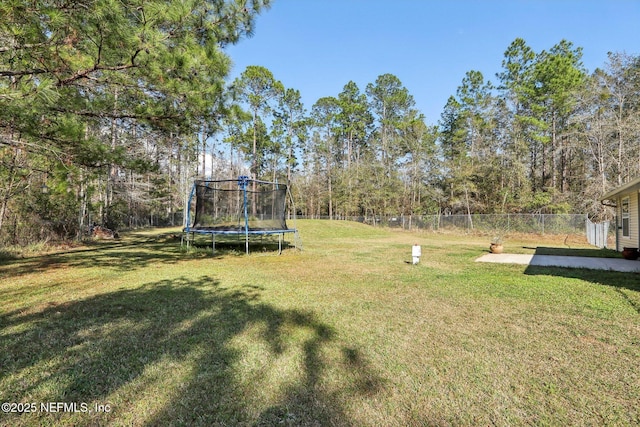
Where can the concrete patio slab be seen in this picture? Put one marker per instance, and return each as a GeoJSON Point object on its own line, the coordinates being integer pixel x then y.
{"type": "Point", "coordinates": [610, 264]}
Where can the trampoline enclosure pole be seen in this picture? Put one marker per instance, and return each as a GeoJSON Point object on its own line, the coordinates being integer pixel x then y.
{"type": "Point", "coordinates": [244, 181]}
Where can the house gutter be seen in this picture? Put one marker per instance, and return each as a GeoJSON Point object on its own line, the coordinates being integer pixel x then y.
{"type": "Point", "coordinates": [628, 186]}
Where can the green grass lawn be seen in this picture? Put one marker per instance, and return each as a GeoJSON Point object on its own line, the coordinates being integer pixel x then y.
{"type": "Point", "coordinates": [346, 332]}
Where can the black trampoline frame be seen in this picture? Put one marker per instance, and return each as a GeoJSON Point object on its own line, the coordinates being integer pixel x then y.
{"type": "Point", "coordinates": [243, 182]}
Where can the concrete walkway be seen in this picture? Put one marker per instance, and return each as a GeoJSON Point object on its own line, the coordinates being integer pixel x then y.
{"type": "Point", "coordinates": [610, 264]}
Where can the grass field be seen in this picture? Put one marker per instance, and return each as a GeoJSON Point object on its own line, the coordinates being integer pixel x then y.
{"type": "Point", "coordinates": [138, 332]}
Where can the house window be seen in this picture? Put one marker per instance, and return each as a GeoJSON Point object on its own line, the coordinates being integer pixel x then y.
{"type": "Point", "coordinates": [625, 217]}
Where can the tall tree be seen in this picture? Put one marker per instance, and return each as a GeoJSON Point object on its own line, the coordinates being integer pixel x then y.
{"type": "Point", "coordinates": [324, 115]}
{"type": "Point", "coordinates": [475, 98]}
{"type": "Point", "coordinates": [609, 128]}
{"type": "Point", "coordinates": [620, 82]}
{"type": "Point", "coordinates": [354, 122]}
{"type": "Point", "coordinates": [457, 160]}
{"type": "Point", "coordinates": [70, 70]}
{"type": "Point", "coordinates": [557, 74]}
{"type": "Point", "coordinates": [257, 87]}
{"type": "Point", "coordinates": [516, 119]}
{"type": "Point", "coordinates": [237, 124]}
{"type": "Point", "coordinates": [420, 142]}
{"type": "Point", "coordinates": [290, 126]}
{"type": "Point", "coordinates": [391, 103]}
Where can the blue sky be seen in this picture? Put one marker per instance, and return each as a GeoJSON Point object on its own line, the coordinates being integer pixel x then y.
{"type": "Point", "coordinates": [318, 46]}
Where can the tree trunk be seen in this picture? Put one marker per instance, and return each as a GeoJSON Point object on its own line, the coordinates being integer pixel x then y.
{"type": "Point", "coordinates": [554, 149]}
{"type": "Point", "coordinates": [204, 152]}
{"type": "Point", "coordinates": [111, 170]}
{"type": "Point", "coordinates": [565, 153]}
{"type": "Point", "coordinates": [254, 164]}
{"type": "Point", "coordinates": [82, 210]}
{"type": "Point", "coordinates": [330, 188]}
{"type": "Point", "coordinates": [290, 153]}
{"type": "Point", "coordinates": [9, 190]}
{"type": "Point", "coordinates": [466, 195]}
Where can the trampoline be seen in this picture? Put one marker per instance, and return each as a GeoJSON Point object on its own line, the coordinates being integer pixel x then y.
{"type": "Point", "coordinates": [240, 207]}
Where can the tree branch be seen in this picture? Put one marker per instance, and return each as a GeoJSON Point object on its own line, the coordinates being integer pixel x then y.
{"type": "Point", "coordinates": [116, 115]}
{"type": "Point", "coordinates": [12, 73]}
{"type": "Point", "coordinates": [4, 49]}
{"type": "Point", "coordinates": [80, 74]}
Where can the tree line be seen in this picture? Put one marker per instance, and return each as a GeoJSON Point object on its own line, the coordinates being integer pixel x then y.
{"type": "Point", "coordinates": [546, 136]}
{"type": "Point", "coordinates": [109, 110]}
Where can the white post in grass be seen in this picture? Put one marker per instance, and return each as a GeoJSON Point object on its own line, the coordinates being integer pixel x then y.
{"type": "Point", "coordinates": [416, 253]}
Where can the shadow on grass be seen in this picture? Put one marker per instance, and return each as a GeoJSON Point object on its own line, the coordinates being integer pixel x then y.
{"type": "Point", "coordinates": [580, 252]}
{"type": "Point", "coordinates": [622, 282]}
{"type": "Point", "coordinates": [236, 244]}
{"type": "Point", "coordinates": [132, 252]}
{"type": "Point", "coordinates": [173, 344]}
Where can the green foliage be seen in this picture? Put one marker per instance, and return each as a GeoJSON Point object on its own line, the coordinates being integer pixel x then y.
{"type": "Point", "coordinates": [89, 84]}
{"type": "Point", "coordinates": [289, 128]}
{"type": "Point", "coordinates": [116, 102]}
{"type": "Point", "coordinates": [165, 60]}
{"type": "Point", "coordinates": [452, 132]}
{"type": "Point", "coordinates": [355, 122]}
{"type": "Point", "coordinates": [257, 88]}
{"type": "Point", "coordinates": [390, 103]}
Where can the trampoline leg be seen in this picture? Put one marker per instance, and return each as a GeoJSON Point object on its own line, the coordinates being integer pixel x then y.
{"type": "Point", "coordinates": [280, 236]}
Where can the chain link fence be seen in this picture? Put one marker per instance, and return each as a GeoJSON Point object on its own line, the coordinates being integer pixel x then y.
{"type": "Point", "coordinates": [490, 223]}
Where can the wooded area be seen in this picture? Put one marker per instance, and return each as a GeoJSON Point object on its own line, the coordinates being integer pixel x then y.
{"type": "Point", "coordinates": [109, 111]}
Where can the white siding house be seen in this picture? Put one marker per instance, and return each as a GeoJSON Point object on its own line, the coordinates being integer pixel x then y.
{"type": "Point", "coordinates": [627, 202]}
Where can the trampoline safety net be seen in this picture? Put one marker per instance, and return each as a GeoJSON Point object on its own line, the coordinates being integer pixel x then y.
{"type": "Point", "coordinates": [233, 205]}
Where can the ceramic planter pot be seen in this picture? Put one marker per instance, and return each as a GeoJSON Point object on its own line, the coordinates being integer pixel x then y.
{"type": "Point", "coordinates": [630, 253]}
{"type": "Point", "coordinates": [496, 248]}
